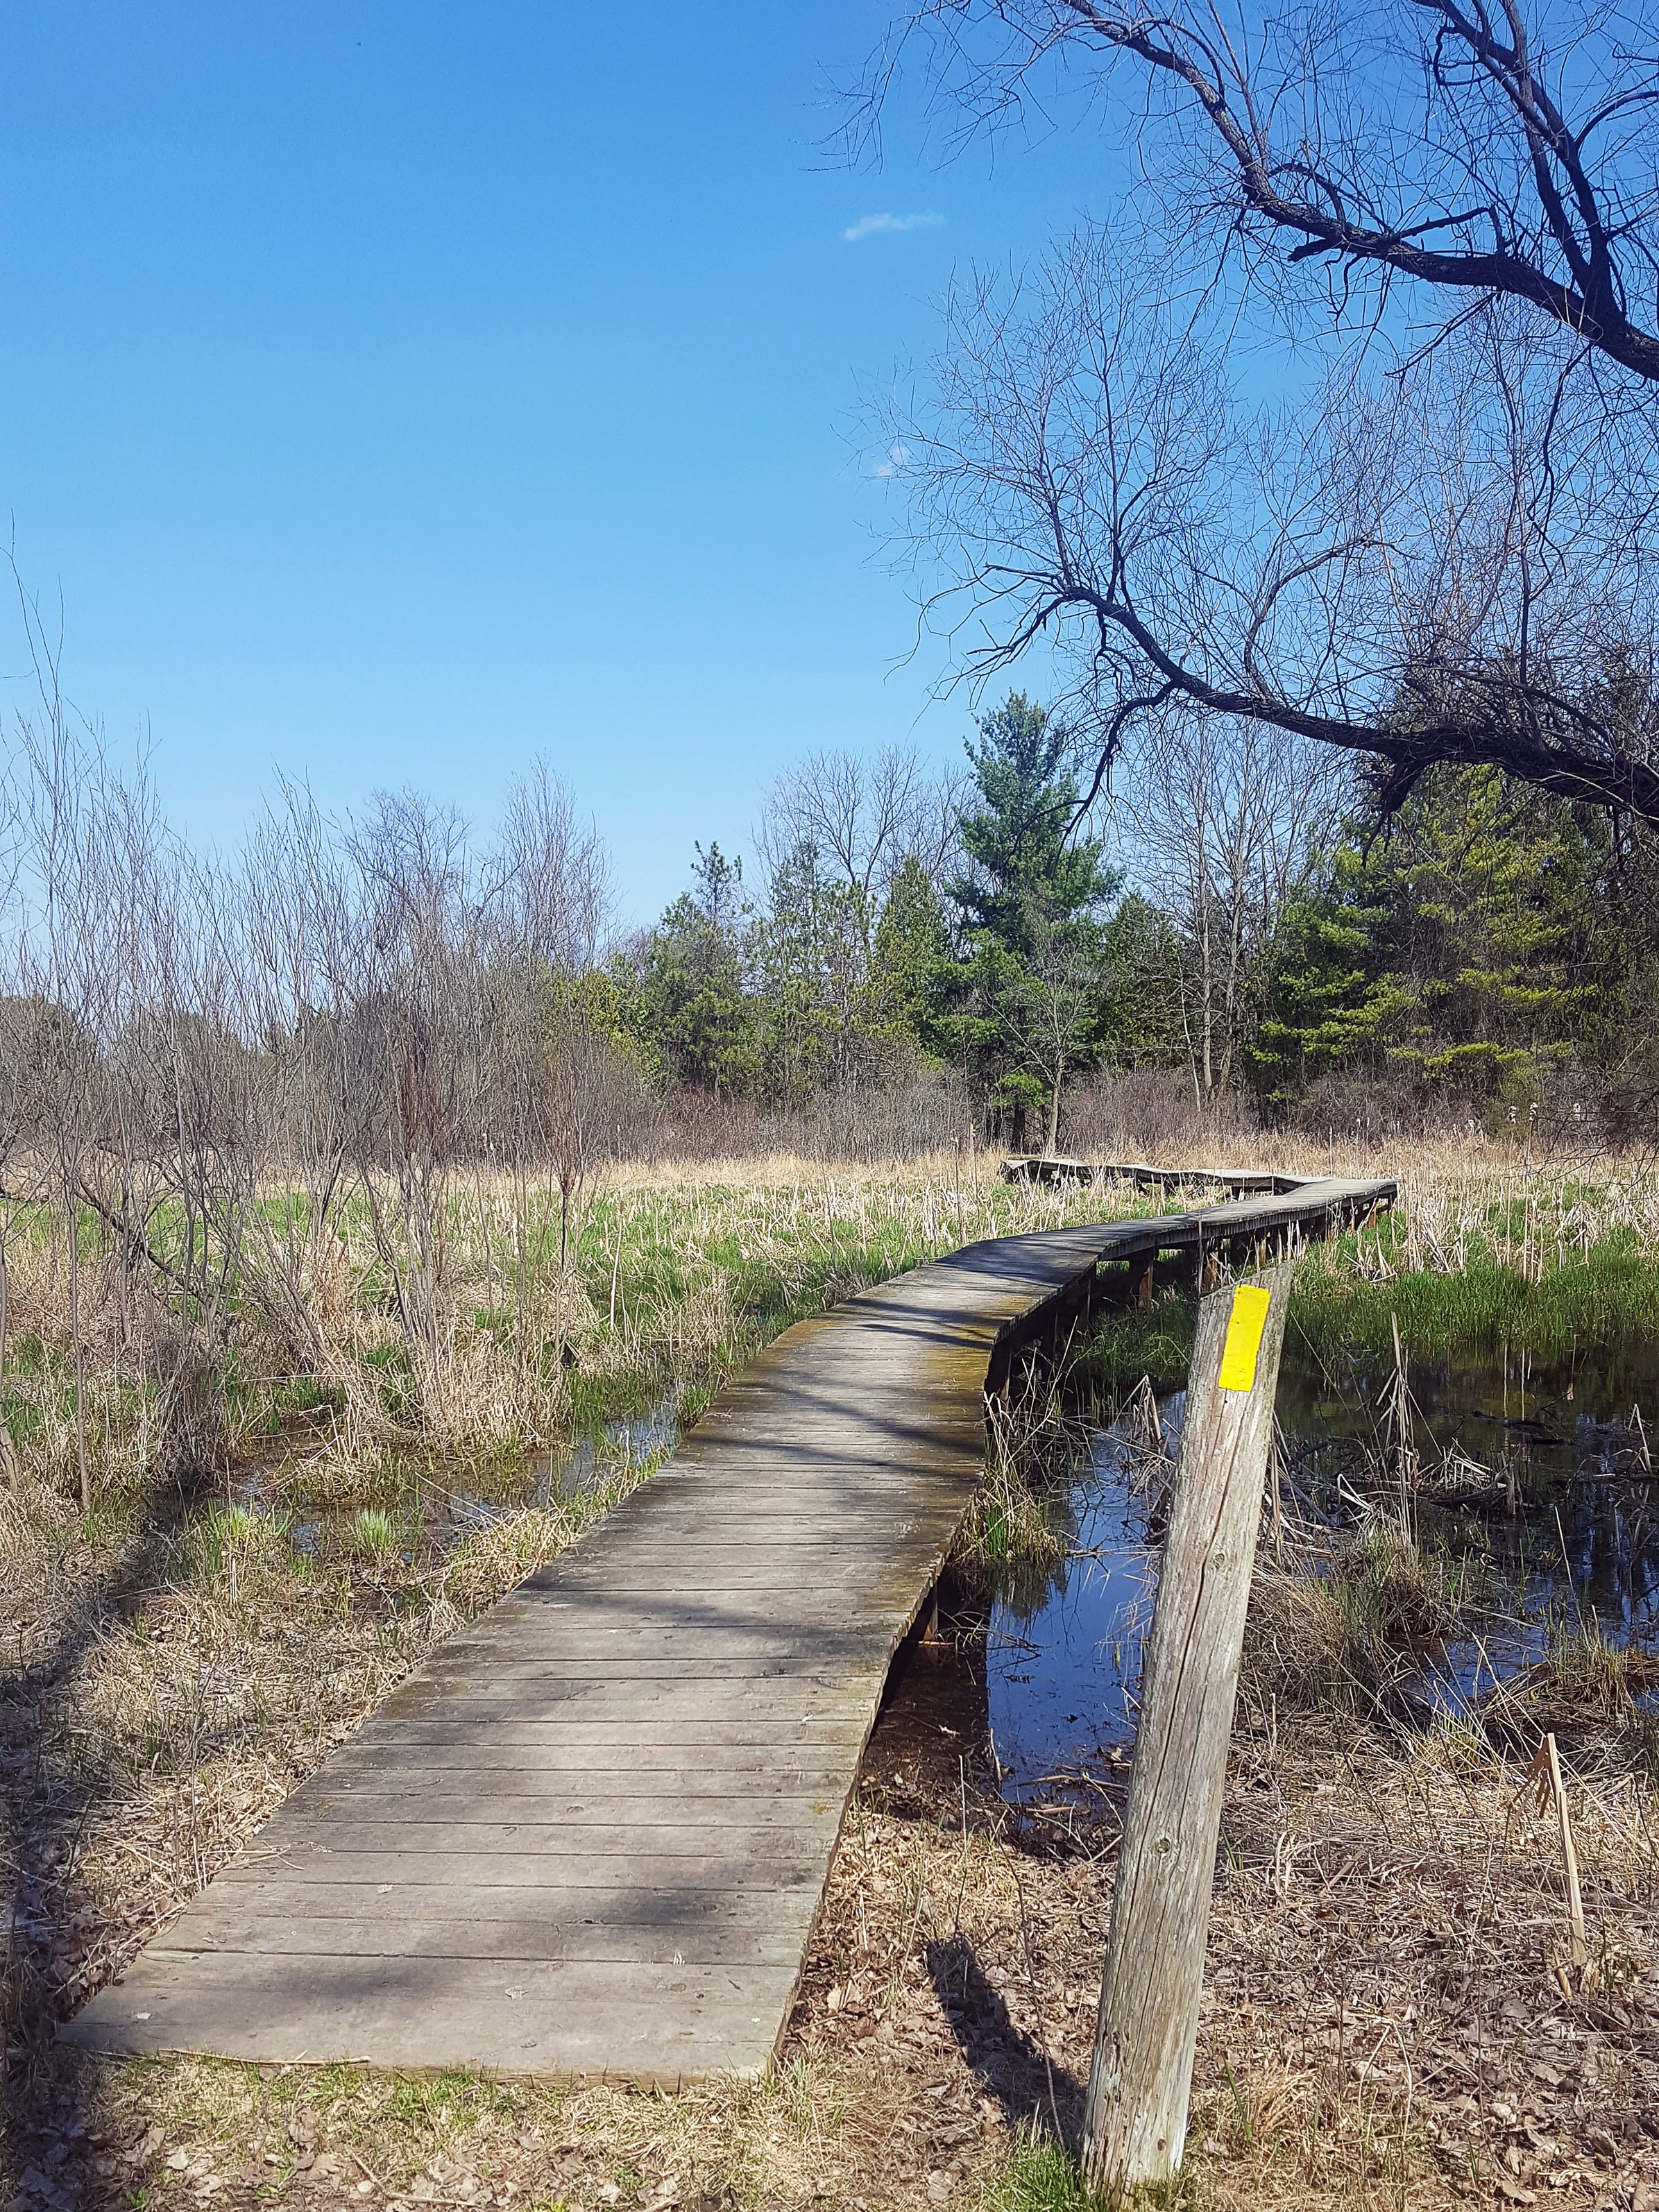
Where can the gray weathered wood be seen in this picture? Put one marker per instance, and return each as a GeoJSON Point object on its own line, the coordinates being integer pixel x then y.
{"type": "Point", "coordinates": [1135, 2121]}
{"type": "Point", "coordinates": [656, 1734]}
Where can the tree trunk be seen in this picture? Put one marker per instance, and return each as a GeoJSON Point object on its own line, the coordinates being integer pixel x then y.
{"type": "Point", "coordinates": [1053, 1110]}
{"type": "Point", "coordinates": [80, 1359]}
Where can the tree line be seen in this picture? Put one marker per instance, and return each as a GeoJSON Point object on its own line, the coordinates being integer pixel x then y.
{"type": "Point", "coordinates": [206, 1062]}
{"type": "Point", "coordinates": [1250, 917]}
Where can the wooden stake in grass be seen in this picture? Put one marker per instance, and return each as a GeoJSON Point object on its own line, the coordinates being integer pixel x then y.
{"type": "Point", "coordinates": [1135, 2122]}
{"type": "Point", "coordinates": [1547, 1765]}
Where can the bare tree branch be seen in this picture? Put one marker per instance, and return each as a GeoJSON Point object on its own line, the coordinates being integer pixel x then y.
{"type": "Point", "coordinates": [1424, 533]}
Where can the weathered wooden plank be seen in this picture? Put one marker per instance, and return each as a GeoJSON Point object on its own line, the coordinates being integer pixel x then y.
{"type": "Point", "coordinates": [693, 1805]}
{"type": "Point", "coordinates": [691, 1940]}
{"type": "Point", "coordinates": [647, 2022]}
{"type": "Point", "coordinates": [532, 1986]}
{"type": "Point", "coordinates": [779, 1690]}
{"type": "Point", "coordinates": [570, 1909]}
{"type": "Point", "coordinates": [829, 1731]}
{"type": "Point", "coordinates": [675, 1634]}
{"type": "Point", "coordinates": [650, 1864]}
{"type": "Point", "coordinates": [733, 1744]}
{"type": "Point", "coordinates": [344, 1828]}
{"type": "Point", "coordinates": [588, 1692]}
{"type": "Point", "coordinates": [654, 1770]}
{"type": "Point", "coordinates": [674, 1640]}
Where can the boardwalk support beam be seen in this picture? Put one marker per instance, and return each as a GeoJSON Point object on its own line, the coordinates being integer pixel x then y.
{"type": "Point", "coordinates": [1135, 2122]}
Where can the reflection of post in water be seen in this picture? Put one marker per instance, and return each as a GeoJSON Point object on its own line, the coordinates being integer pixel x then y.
{"type": "Point", "coordinates": [1135, 2125]}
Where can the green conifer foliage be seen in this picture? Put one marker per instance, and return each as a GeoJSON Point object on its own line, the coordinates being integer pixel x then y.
{"type": "Point", "coordinates": [1325, 1006]}
{"type": "Point", "coordinates": [693, 1004]}
{"type": "Point", "coordinates": [1491, 936]}
{"type": "Point", "coordinates": [1025, 1001]}
{"type": "Point", "coordinates": [1140, 995]}
{"type": "Point", "coordinates": [910, 960]}
{"type": "Point", "coordinates": [1467, 949]}
{"type": "Point", "coordinates": [809, 961]}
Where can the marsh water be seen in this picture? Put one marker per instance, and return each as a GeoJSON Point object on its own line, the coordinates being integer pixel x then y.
{"type": "Point", "coordinates": [1535, 1479]}
{"type": "Point", "coordinates": [440, 1513]}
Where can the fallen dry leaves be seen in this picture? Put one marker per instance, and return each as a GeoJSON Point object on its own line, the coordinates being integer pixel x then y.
{"type": "Point", "coordinates": [1384, 2023]}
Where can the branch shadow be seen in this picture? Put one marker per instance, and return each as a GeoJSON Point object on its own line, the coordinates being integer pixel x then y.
{"type": "Point", "coordinates": [54, 2098]}
{"type": "Point", "coordinates": [1015, 2068]}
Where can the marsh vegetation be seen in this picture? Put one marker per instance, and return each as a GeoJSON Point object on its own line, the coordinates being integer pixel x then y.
{"type": "Point", "coordinates": [195, 1642]}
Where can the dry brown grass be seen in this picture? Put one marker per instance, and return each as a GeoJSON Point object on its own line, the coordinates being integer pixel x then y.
{"type": "Point", "coordinates": [171, 1681]}
{"type": "Point", "coordinates": [675, 1273]}
{"type": "Point", "coordinates": [1383, 2018]}
{"type": "Point", "coordinates": [678, 1271]}
{"type": "Point", "coordinates": [175, 1670]}
{"type": "Point", "coordinates": [1384, 2024]}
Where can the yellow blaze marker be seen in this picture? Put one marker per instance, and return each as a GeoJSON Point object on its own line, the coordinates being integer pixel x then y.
{"type": "Point", "coordinates": [1244, 1327]}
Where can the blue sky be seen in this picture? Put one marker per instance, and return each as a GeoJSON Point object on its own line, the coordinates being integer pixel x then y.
{"type": "Point", "coordinates": [395, 391]}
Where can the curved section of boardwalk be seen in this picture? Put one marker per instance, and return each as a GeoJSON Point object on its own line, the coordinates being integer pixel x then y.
{"type": "Point", "coordinates": [590, 1835]}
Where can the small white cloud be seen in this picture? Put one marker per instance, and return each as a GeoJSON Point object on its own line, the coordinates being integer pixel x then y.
{"type": "Point", "coordinates": [894, 464]}
{"type": "Point", "coordinates": [868, 225]}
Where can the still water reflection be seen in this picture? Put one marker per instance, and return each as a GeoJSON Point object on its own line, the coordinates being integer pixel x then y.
{"type": "Point", "coordinates": [1536, 1476]}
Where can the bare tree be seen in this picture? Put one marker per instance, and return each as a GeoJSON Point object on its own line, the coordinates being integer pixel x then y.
{"type": "Point", "coordinates": [1483, 150]}
{"type": "Point", "coordinates": [299, 963]}
{"type": "Point", "coordinates": [1430, 540]}
{"type": "Point", "coordinates": [70, 958]}
{"type": "Point", "coordinates": [1217, 818]}
{"type": "Point", "coordinates": [864, 817]}
{"type": "Point", "coordinates": [1400, 567]}
{"type": "Point", "coordinates": [836, 833]}
{"type": "Point", "coordinates": [200, 1066]}
{"type": "Point", "coordinates": [16, 1018]}
{"type": "Point", "coordinates": [554, 907]}
{"type": "Point", "coordinates": [124, 1090]}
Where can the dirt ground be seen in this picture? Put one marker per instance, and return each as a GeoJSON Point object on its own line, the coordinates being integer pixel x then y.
{"type": "Point", "coordinates": [1389, 2016]}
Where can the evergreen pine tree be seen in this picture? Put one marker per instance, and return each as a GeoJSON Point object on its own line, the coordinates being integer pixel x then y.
{"type": "Point", "coordinates": [693, 1004]}
{"type": "Point", "coordinates": [1026, 997]}
{"type": "Point", "coordinates": [1324, 1003]}
{"type": "Point", "coordinates": [909, 959]}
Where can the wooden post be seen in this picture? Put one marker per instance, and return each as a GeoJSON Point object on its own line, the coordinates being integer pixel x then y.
{"type": "Point", "coordinates": [1556, 1789]}
{"type": "Point", "coordinates": [1142, 1279]}
{"type": "Point", "coordinates": [1135, 2121]}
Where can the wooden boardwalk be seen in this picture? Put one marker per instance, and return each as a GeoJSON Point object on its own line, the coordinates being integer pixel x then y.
{"type": "Point", "coordinates": [590, 1835]}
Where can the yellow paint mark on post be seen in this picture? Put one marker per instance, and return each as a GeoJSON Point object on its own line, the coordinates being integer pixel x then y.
{"type": "Point", "coordinates": [1244, 1327]}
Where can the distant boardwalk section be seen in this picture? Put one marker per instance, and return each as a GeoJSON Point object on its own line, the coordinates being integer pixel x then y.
{"type": "Point", "coordinates": [590, 1835]}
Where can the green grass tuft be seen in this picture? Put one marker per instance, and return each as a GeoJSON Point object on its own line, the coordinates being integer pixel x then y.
{"type": "Point", "coordinates": [1039, 2176]}
{"type": "Point", "coordinates": [1157, 1343]}
{"type": "Point", "coordinates": [376, 1531]}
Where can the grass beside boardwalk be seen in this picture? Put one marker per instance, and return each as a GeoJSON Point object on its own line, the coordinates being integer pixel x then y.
{"type": "Point", "coordinates": [181, 1655]}
{"type": "Point", "coordinates": [674, 1277]}
{"type": "Point", "coordinates": [1467, 1269]}
{"type": "Point", "coordinates": [1479, 1256]}
{"type": "Point", "coordinates": [1480, 1298]}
